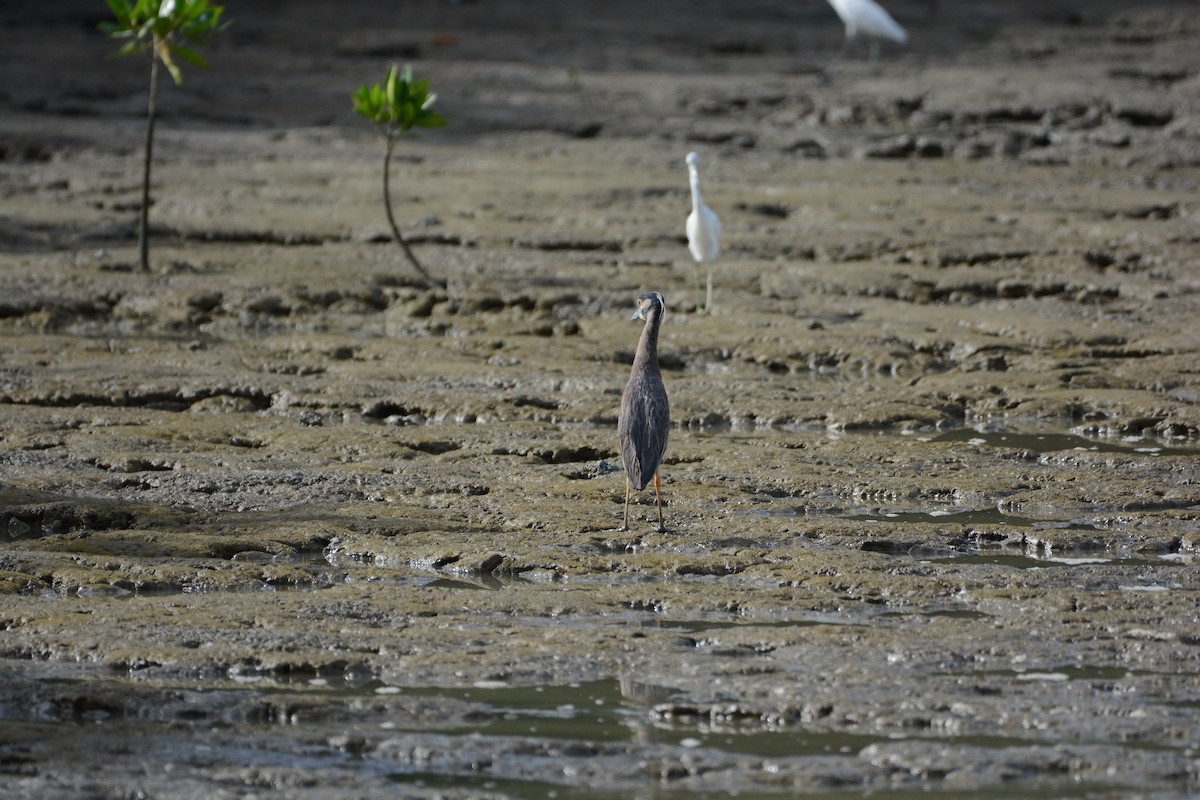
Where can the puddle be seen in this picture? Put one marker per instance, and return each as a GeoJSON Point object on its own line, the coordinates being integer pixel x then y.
{"type": "Point", "coordinates": [1054, 442]}
{"type": "Point", "coordinates": [595, 711]}
{"type": "Point", "coordinates": [1021, 561]}
{"type": "Point", "coordinates": [619, 711]}
{"type": "Point", "coordinates": [954, 613]}
{"type": "Point", "coordinates": [987, 516]}
{"type": "Point", "coordinates": [701, 626]}
{"type": "Point", "coordinates": [1055, 673]}
{"type": "Point", "coordinates": [531, 790]}
{"type": "Point", "coordinates": [984, 516]}
{"type": "Point", "coordinates": [486, 786]}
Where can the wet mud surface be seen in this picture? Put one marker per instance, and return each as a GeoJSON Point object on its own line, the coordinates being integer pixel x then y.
{"type": "Point", "coordinates": [279, 520]}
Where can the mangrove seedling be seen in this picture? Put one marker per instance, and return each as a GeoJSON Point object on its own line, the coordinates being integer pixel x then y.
{"type": "Point", "coordinates": [169, 31]}
{"type": "Point", "coordinates": [397, 106]}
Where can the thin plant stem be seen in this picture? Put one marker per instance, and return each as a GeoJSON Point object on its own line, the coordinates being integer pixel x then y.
{"type": "Point", "coordinates": [144, 214]}
{"type": "Point", "coordinates": [387, 204]}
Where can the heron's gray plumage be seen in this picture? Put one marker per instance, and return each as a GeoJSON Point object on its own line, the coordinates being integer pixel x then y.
{"type": "Point", "coordinates": [645, 418]}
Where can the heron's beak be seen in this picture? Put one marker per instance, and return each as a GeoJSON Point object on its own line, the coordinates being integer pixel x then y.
{"type": "Point", "coordinates": [640, 310]}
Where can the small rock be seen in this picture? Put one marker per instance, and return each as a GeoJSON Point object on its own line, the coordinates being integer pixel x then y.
{"type": "Point", "coordinates": [897, 147]}
{"type": "Point", "coordinates": [17, 528]}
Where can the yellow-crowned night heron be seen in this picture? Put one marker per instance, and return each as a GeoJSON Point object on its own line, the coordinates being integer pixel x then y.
{"type": "Point", "coordinates": [645, 417]}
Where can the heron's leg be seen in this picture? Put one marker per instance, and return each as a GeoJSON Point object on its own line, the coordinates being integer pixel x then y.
{"type": "Point", "coordinates": [658, 496]}
{"type": "Point", "coordinates": [708, 294]}
{"type": "Point", "coordinates": [628, 489]}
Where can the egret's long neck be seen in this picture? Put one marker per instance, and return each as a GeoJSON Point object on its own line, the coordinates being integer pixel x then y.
{"type": "Point", "coordinates": [694, 178]}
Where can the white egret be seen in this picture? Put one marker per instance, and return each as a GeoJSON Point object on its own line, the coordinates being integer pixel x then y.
{"type": "Point", "coordinates": [868, 18]}
{"type": "Point", "coordinates": [703, 231]}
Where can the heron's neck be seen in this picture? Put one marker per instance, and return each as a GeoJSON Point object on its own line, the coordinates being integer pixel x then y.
{"type": "Point", "coordinates": [694, 178]}
{"type": "Point", "coordinates": [648, 346]}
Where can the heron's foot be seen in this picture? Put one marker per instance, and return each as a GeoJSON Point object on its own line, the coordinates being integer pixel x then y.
{"type": "Point", "coordinates": [661, 529]}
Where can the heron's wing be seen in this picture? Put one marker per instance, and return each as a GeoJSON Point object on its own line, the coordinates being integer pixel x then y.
{"type": "Point", "coordinates": [642, 430]}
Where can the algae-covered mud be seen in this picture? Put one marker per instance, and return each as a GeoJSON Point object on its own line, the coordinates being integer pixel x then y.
{"type": "Point", "coordinates": [279, 520]}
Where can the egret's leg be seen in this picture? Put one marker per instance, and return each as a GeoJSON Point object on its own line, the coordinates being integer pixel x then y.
{"type": "Point", "coordinates": [658, 496]}
{"type": "Point", "coordinates": [628, 489]}
{"type": "Point", "coordinates": [873, 58]}
{"type": "Point", "coordinates": [708, 293]}
{"type": "Point", "coordinates": [846, 43]}
{"type": "Point", "coordinates": [696, 275]}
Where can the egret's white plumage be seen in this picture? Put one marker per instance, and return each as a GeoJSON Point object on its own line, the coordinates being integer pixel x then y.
{"type": "Point", "coordinates": [703, 229]}
{"type": "Point", "coordinates": [869, 19]}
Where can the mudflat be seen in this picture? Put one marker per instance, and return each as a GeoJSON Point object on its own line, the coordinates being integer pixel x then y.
{"type": "Point", "coordinates": [279, 518]}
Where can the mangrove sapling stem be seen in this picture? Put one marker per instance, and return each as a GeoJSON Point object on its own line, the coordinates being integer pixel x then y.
{"type": "Point", "coordinates": [395, 106]}
{"type": "Point", "coordinates": [387, 204]}
{"type": "Point", "coordinates": [144, 214]}
{"type": "Point", "coordinates": [169, 32]}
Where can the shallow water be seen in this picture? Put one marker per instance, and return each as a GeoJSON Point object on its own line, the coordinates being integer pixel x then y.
{"type": "Point", "coordinates": [353, 737]}
{"type": "Point", "coordinates": [1050, 441]}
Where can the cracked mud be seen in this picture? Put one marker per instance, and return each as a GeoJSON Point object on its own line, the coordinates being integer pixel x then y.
{"type": "Point", "coordinates": [279, 520]}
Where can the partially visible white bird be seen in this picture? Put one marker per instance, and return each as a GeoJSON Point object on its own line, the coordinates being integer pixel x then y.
{"type": "Point", "coordinates": [703, 231]}
{"type": "Point", "coordinates": [868, 18]}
